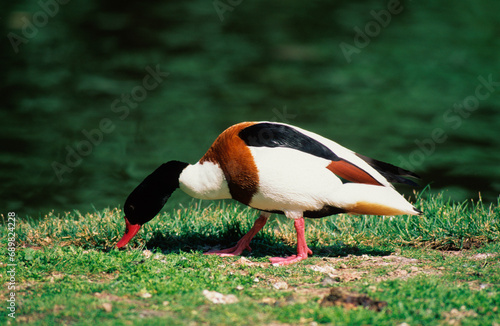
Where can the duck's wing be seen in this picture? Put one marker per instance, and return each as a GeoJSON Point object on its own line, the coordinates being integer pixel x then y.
{"type": "Point", "coordinates": [343, 162]}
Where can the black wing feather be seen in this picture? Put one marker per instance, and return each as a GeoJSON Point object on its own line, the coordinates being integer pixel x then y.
{"type": "Point", "coordinates": [391, 172]}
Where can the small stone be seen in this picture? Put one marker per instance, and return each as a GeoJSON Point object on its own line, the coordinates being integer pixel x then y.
{"type": "Point", "coordinates": [146, 295]}
{"type": "Point", "coordinates": [280, 285]}
{"type": "Point", "coordinates": [108, 307]}
{"type": "Point", "coordinates": [219, 298]}
{"type": "Point", "coordinates": [243, 261]}
{"type": "Point", "coordinates": [323, 269]}
{"type": "Point", "coordinates": [268, 301]}
{"type": "Point", "coordinates": [330, 280]}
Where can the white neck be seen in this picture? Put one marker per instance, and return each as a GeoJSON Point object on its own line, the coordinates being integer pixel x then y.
{"type": "Point", "coordinates": [204, 181]}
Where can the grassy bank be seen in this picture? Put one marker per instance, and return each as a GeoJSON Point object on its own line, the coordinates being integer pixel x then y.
{"type": "Point", "coordinates": [440, 268]}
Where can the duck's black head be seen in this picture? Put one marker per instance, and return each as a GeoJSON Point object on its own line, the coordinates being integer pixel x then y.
{"type": "Point", "coordinates": [149, 197]}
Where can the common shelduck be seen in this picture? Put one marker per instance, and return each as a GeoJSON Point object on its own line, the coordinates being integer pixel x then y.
{"type": "Point", "coordinates": [275, 168]}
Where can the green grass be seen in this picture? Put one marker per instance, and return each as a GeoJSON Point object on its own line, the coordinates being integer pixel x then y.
{"type": "Point", "coordinates": [438, 269]}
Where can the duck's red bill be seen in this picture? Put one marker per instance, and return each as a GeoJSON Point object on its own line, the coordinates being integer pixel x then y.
{"type": "Point", "coordinates": [130, 231]}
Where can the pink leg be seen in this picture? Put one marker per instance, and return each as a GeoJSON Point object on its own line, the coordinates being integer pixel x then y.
{"type": "Point", "coordinates": [244, 242]}
{"type": "Point", "coordinates": [302, 249]}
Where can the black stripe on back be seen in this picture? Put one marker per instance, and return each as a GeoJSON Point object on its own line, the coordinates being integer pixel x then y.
{"type": "Point", "coordinates": [276, 135]}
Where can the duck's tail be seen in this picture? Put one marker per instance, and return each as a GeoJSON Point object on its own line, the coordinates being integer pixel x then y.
{"type": "Point", "coordinates": [356, 198]}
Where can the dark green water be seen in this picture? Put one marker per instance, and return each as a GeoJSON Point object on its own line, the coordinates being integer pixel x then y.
{"type": "Point", "coordinates": [96, 94]}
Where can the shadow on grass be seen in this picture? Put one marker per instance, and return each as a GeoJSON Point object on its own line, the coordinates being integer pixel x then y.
{"type": "Point", "coordinates": [262, 246]}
